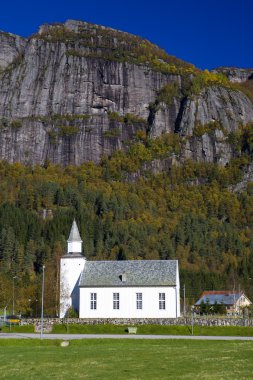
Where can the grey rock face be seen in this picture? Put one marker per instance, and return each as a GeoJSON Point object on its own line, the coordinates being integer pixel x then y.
{"type": "Point", "coordinates": [235, 74]}
{"type": "Point", "coordinates": [57, 98]}
{"type": "Point", "coordinates": [215, 104]}
{"type": "Point", "coordinates": [11, 47]}
{"type": "Point", "coordinates": [230, 108]}
{"type": "Point", "coordinates": [246, 179]}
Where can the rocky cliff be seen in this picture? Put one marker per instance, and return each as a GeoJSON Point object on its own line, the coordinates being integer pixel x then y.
{"type": "Point", "coordinates": [75, 91]}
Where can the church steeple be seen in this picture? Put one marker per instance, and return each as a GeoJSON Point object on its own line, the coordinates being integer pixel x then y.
{"type": "Point", "coordinates": [72, 264]}
{"type": "Point", "coordinates": [74, 240]}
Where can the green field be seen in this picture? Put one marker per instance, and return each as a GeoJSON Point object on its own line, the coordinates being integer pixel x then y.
{"type": "Point", "coordinates": [154, 329]}
{"type": "Point", "coordinates": [18, 329]}
{"type": "Point", "coordinates": [126, 359]}
{"type": "Point", "coordinates": [141, 329]}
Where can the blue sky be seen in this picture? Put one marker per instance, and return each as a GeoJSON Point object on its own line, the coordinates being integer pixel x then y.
{"type": "Point", "coordinates": [207, 33]}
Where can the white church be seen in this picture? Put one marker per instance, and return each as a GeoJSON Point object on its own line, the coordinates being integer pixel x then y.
{"type": "Point", "coordinates": [117, 289]}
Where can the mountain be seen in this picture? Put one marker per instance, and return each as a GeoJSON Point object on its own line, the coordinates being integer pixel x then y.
{"type": "Point", "coordinates": [75, 92]}
{"type": "Point", "coordinates": [152, 157]}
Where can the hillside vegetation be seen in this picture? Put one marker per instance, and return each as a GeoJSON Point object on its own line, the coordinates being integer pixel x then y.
{"type": "Point", "coordinates": [124, 211]}
{"type": "Point", "coordinates": [95, 41]}
{"type": "Point", "coordinates": [94, 97]}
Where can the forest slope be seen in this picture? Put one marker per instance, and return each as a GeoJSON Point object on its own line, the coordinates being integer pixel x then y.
{"type": "Point", "coordinates": [124, 211]}
{"type": "Point", "coordinates": [152, 156]}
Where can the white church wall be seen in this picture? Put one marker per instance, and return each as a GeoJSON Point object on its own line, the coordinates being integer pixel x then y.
{"type": "Point", "coordinates": [128, 303]}
{"type": "Point", "coordinates": [71, 269]}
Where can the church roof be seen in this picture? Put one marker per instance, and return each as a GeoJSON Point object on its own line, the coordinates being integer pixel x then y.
{"type": "Point", "coordinates": [129, 273]}
{"type": "Point", "coordinates": [74, 233]}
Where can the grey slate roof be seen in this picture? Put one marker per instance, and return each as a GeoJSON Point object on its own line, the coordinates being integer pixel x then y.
{"type": "Point", "coordinates": [129, 273]}
{"type": "Point", "coordinates": [74, 233]}
{"type": "Point", "coordinates": [226, 299]}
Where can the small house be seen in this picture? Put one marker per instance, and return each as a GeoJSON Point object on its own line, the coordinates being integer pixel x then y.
{"type": "Point", "coordinates": [233, 302]}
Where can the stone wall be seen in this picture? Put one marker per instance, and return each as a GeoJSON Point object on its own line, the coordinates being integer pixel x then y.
{"type": "Point", "coordinates": [204, 321]}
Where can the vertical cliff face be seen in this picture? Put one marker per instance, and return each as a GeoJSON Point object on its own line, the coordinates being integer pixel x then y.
{"type": "Point", "coordinates": [225, 108]}
{"type": "Point", "coordinates": [235, 74]}
{"type": "Point", "coordinates": [75, 92]}
{"type": "Point", "coordinates": [11, 46]}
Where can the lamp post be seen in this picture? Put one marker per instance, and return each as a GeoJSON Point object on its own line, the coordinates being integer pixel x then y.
{"type": "Point", "coordinates": [184, 300]}
{"type": "Point", "coordinates": [29, 300]}
{"type": "Point", "coordinates": [13, 294]}
{"type": "Point", "coordinates": [42, 303]}
{"type": "Point", "coordinates": [192, 320]}
{"type": "Point", "coordinates": [5, 313]}
{"type": "Point", "coordinates": [36, 308]}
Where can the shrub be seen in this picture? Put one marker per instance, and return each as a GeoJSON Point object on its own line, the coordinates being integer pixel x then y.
{"type": "Point", "coordinates": [16, 124]}
{"type": "Point", "coordinates": [130, 118]}
{"type": "Point", "coordinates": [68, 130]}
{"type": "Point", "coordinates": [115, 116]}
{"type": "Point", "coordinates": [115, 132]}
{"type": "Point", "coordinates": [204, 79]}
{"type": "Point", "coordinates": [168, 93]}
{"type": "Point", "coordinates": [69, 117]}
{"type": "Point", "coordinates": [52, 136]}
{"type": "Point", "coordinates": [209, 128]}
{"type": "Point", "coordinates": [245, 87]}
{"type": "Point", "coordinates": [113, 45]}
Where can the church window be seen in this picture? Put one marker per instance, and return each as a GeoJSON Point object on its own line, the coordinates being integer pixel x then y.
{"type": "Point", "coordinates": [161, 301]}
{"type": "Point", "coordinates": [93, 301]}
{"type": "Point", "coordinates": [139, 301]}
{"type": "Point", "coordinates": [115, 300]}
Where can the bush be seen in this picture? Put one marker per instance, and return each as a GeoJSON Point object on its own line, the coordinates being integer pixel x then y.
{"type": "Point", "coordinates": [68, 130]}
{"type": "Point", "coordinates": [209, 128]}
{"type": "Point", "coordinates": [168, 93]}
{"type": "Point", "coordinates": [101, 45]}
{"type": "Point", "coordinates": [204, 79]}
{"type": "Point", "coordinates": [16, 124]}
{"type": "Point", "coordinates": [115, 132]}
{"type": "Point", "coordinates": [72, 313]}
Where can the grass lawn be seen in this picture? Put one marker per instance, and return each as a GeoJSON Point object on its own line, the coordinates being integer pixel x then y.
{"type": "Point", "coordinates": [154, 329]}
{"type": "Point", "coordinates": [17, 329]}
{"type": "Point", "coordinates": [126, 359]}
{"type": "Point", "coordinates": [145, 329]}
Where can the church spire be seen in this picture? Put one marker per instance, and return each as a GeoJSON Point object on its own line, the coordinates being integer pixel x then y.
{"type": "Point", "coordinates": [74, 240]}
{"type": "Point", "coordinates": [74, 233]}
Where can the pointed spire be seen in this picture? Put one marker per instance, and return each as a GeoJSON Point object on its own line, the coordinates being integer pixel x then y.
{"type": "Point", "coordinates": [74, 235]}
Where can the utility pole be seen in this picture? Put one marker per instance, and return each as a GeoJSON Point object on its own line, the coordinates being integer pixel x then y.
{"type": "Point", "coordinates": [184, 300]}
{"type": "Point", "coordinates": [234, 297]}
{"type": "Point", "coordinates": [239, 303]}
{"type": "Point", "coordinates": [13, 294]}
{"type": "Point", "coordinates": [42, 303]}
{"type": "Point", "coordinates": [192, 320]}
{"type": "Point", "coordinates": [5, 313]}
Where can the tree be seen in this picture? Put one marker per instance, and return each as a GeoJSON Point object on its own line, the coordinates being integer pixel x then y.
{"type": "Point", "coordinates": [205, 307]}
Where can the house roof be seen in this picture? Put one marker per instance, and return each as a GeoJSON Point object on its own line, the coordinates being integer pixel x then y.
{"type": "Point", "coordinates": [74, 233]}
{"type": "Point", "coordinates": [129, 273]}
{"type": "Point", "coordinates": [219, 297]}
